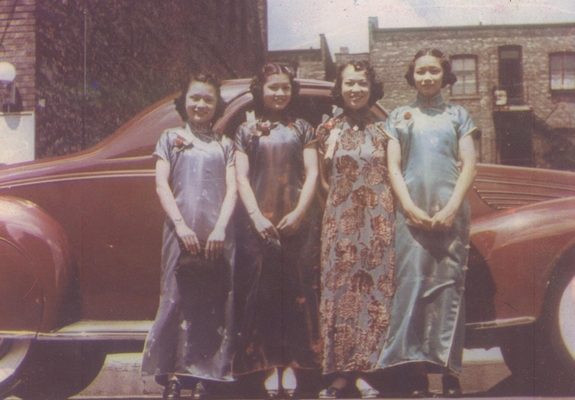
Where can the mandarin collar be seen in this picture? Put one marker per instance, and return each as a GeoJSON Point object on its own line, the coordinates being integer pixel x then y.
{"type": "Point", "coordinates": [206, 135]}
{"type": "Point", "coordinates": [430, 102]}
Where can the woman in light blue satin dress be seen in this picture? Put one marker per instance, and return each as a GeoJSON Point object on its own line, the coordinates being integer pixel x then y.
{"type": "Point", "coordinates": [432, 165]}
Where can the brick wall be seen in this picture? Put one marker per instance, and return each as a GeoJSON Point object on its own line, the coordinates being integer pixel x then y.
{"type": "Point", "coordinates": [310, 63]}
{"type": "Point", "coordinates": [17, 45]}
{"type": "Point", "coordinates": [342, 58]}
{"type": "Point", "coordinates": [392, 49]}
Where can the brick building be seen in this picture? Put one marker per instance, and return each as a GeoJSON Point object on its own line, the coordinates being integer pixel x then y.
{"type": "Point", "coordinates": [344, 56]}
{"type": "Point", "coordinates": [308, 63]}
{"type": "Point", "coordinates": [86, 67]}
{"type": "Point", "coordinates": [517, 81]}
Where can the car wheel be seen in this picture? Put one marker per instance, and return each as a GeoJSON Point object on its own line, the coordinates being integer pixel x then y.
{"type": "Point", "coordinates": [560, 323]}
{"type": "Point", "coordinates": [543, 354]}
{"type": "Point", "coordinates": [36, 370]}
{"type": "Point", "coordinates": [13, 354]}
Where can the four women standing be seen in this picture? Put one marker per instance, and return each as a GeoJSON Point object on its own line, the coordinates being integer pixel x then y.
{"type": "Point", "coordinates": [424, 151]}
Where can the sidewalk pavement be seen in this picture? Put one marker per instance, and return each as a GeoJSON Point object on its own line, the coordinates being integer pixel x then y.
{"type": "Point", "coordinates": [120, 377]}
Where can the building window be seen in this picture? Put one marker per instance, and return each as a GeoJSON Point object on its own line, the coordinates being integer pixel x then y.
{"type": "Point", "coordinates": [562, 71]}
{"type": "Point", "coordinates": [465, 68]}
{"type": "Point", "coordinates": [511, 73]}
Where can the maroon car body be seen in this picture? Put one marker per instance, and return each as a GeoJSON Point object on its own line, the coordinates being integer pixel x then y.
{"type": "Point", "coordinates": [80, 238]}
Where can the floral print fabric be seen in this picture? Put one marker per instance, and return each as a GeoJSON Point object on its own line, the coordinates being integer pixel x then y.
{"type": "Point", "coordinates": [357, 254]}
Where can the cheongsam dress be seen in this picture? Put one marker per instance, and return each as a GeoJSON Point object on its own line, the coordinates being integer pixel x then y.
{"type": "Point", "coordinates": [192, 332]}
{"type": "Point", "coordinates": [358, 255]}
{"type": "Point", "coordinates": [428, 320]}
{"type": "Point", "coordinates": [277, 286]}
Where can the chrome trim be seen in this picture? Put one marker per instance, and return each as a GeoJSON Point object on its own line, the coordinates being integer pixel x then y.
{"type": "Point", "coordinates": [17, 335]}
{"type": "Point", "coordinates": [79, 176]}
{"type": "Point", "coordinates": [90, 336]}
{"type": "Point", "coordinates": [89, 330]}
{"type": "Point", "coordinates": [500, 323]}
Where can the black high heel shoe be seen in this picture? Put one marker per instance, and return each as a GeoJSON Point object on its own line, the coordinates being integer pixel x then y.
{"type": "Point", "coordinates": [420, 386]}
{"type": "Point", "coordinates": [331, 392]}
{"type": "Point", "coordinates": [451, 386]}
{"type": "Point", "coordinates": [172, 390]}
{"type": "Point", "coordinates": [272, 394]}
{"type": "Point", "coordinates": [336, 390]}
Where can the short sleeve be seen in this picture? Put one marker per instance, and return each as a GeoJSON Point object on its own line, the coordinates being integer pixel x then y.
{"type": "Point", "coordinates": [466, 125]}
{"type": "Point", "coordinates": [323, 131]}
{"type": "Point", "coordinates": [241, 138]}
{"type": "Point", "coordinates": [162, 149]}
{"type": "Point", "coordinates": [306, 133]}
{"type": "Point", "coordinates": [229, 151]}
{"type": "Point", "coordinates": [390, 124]}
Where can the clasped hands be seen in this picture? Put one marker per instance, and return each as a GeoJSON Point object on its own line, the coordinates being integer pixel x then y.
{"type": "Point", "coordinates": [441, 220]}
{"type": "Point", "coordinates": [287, 226]}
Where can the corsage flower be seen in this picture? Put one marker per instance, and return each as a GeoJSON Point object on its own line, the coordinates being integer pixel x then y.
{"type": "Point", "coordinates": [179, 143]}
{"type": "Point", "coordinates": [332, 126]}
{"type": "Point", "coordinates": [405, 121]}
{"type": "Point", "coordinates": [263, 128]}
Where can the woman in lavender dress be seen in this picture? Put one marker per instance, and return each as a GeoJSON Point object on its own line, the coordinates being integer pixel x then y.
{"type": "Point", "coordinates": [195, 181]}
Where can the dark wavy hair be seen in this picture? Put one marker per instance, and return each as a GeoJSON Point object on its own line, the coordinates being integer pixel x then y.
{"type": "Point", "coordinates": [210, 79]}
{"type": "Point", "coordinates": [376, 87]}
{"type": "Point", "coordinates": [258, 82]}
{"type": "Point", "coordinates": [449, 77]}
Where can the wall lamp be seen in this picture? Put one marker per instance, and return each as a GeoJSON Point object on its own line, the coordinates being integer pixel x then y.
{"type": "Point", "coordinates": [8, 99]}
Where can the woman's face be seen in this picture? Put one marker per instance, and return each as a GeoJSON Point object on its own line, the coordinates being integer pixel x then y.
{"type": "Point", "coordinates": [355, 88]}
{"type": "Point", "coordinates": [428, 75]}
{"type": "Point", "coordinates": [276, 92]}
{"type": "Point", "coordinates": [201, 102]}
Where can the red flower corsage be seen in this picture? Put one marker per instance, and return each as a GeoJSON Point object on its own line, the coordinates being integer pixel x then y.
{"type": "Point", "coordinates": [265, 127]}
{"type": "Point", "coordinates": [407, 115]}
{"type": "Point", "coordinates": [179, 143]}
{"type": "Point", "coordinates": [329, 125]}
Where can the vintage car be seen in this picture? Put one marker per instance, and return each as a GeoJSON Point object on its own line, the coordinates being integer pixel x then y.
{"type": "Point", "coordinates": [80, 240]}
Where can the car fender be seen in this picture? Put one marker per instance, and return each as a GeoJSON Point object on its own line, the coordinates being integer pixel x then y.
{"type": "Point", "coordinates": [36, 269]}
{"type": "Point", "coordinates": [522, 247]}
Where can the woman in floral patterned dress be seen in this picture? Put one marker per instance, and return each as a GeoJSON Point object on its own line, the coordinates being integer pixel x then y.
{"type": "Point", "coordinates": [357, 257]}
{"type": "Point", "coordinates": [277, 274]}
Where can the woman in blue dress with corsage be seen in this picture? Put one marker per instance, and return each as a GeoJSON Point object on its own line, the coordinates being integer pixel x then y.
{"type": "Point", "coordinates": [431, 160]}
{"type": "Point", "coordinates": [190, 340]}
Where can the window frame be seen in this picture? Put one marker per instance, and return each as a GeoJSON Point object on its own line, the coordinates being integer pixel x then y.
{"type": "Point", "coordinates": [563, 55]}
{"type": "Point", "coordinates": [475, 59]}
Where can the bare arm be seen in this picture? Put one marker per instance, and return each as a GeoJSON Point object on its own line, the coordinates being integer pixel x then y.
{"type": "Point", "coordinates": [168, 202]}
{"type": "Point", "coordinates": [263, 226]}
{"type": "Point", "coordinates": [443, 219]}
{"type": "Point", "coordinates": [291, 222]}
{"type": "Point", "coordinates": [215, 243]}
{"type": "Point", "coordinates": [415, 215]}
